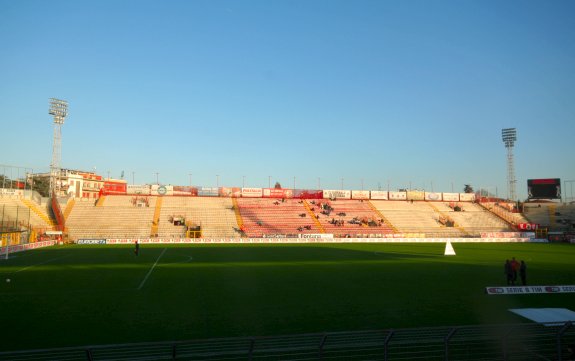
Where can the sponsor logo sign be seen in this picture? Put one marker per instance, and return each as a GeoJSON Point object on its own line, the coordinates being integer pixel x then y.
{"type": "Point", "coordinates": [208, 191]}
{"type": "Point", "coordinates": [25, 247]}
{"type": "Point", "coordinates": [138, 189]}
{"type": "Point", "coordinates": [252, 192]}
{"type": "Point", "coordinates": [277, 193]}
{"type": "Point", "coordinates": [359, 194]}
{"type": "Point", "coordinates": [91, 241]}
{"type": "Point", "coordinates": [528, 226]}
{"type": "Point", "coordinates": [397, 196]}
{"type": "Point", "coordinates": [13, 192]}
{"type": "Point", "coordinates": [318, 235]}
{"type": "Point", "coordinates": [416, 195]}
{"type": "Point", "coordinates": [379, 195]}
{"type": "Point", "coordinates": [336, 194]}
{"type": "Point", "coordinates": [467, 197]}
{"type": "Point", "coordinates": [432, 196]}
{"type": "Point", "coordinates": [526, 290]}
{"type": "Point", "coordinates": [450, 197]}
{"type": "Point", "coordinates": [501, 235]}
{"type": "Point", "coordinates": [234, 192]}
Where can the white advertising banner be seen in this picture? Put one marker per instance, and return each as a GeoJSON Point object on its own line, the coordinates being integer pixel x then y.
{"type": "Point", "coordinates": [25, 247]}
{"type": "Point", "coordinates": [359, 194]}
{"type": "Point", "coordinates": [252, 192]}
{"type": "Point", "coordinates": [304, 238]}
{"type": "Point", "coordinates": [466, 197]}
{"type": "Point", "coordinates": [451, 197]}
{"type": "Point", "coordinates": [527, 290]}
{"type": "Point", "coordinates": [501, 235]}
{"type": "Point", "coordinates": [379, 195]}
{"type": "Point", "coordinates": [138, 189]}
{"type": "Point", "coordinates": [162, 190]}
{"type": "Point", "coordinates": [316, 235]}
{"type": "Point", "coordinates": [397, 196]}
{"type": "Point", "coordinates": [432, 196]}
{"type": "Point", "coordinates": [336, 194]}
{"type": "Point", "coordinates": [12, 192]}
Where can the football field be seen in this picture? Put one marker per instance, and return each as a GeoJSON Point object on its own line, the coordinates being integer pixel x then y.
{"type": "Point", "coordinates": [89, 295]}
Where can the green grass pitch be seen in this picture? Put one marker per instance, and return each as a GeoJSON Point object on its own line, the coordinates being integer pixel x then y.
{"type": "Point", "coordinates": [88, 295]}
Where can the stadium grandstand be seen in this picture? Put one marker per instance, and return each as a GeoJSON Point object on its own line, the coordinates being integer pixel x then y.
{"type": "Point", "coordinates": [91, 207]}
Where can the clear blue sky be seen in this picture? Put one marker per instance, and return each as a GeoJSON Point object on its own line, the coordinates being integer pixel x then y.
{"type": "Point", "coordinates": [405, 92]}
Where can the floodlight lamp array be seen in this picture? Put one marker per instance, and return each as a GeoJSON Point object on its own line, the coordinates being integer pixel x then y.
{"type": "Point", "coordinates": [59, 109]}
{"type": "Point", "coordinates": [509, 136]}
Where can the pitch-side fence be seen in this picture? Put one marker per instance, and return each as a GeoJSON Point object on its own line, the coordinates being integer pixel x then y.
{"type": "Point", "coordinates": [523, 342]}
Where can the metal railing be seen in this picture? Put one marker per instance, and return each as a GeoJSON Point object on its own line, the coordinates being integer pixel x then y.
{"type": "Point", "coordinates": [529, 341]}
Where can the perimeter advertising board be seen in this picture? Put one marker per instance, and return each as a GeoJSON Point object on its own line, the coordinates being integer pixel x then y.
{"type": "Point", "coordinates": [526, 290]}
{"type": "Point", "coordinates": [252, 192]}
{"type": "Point", "coordinates": [11, 192]}
{"type": "Point", "coordinates": [277, 193]}
{"type": "Point", "coordinates": [336, 194]}
{"type": "Point", "coordinates": [162, 190]}
{"type": "Point", "coordinates": [450, 197]}
{"type": "Point", "coordinates": [359, 194]}
{"type": "Point", "coordinates": [415, 195]}
{"type": "Point", "coordinates": [379, 195]}
{"type": "Point", "coordinates": [139, 189]}
{"type": "Point", "coordinates": [208, 191]}
{"type": "Point", "coordinates": [467, 197]}
{"type": "Point", "coordinates": [431, 196]}
{"type": "Point", "coordinates": [185, 191]}
{"type": "Point", "coordinates": [397, 196]}
{"type": "Point", "coordinates": [234, 192]}
{"type": "Point", "coordinates": [308, 194]}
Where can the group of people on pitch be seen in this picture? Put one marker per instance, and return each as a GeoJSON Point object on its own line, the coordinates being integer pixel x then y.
{"type": "Point", "coordinates": [512, 269]}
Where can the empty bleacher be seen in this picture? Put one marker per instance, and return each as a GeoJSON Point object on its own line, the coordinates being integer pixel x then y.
{"type": "Point", "coordinates": [415, 217]}
{"type": "Point", "coordinates": [23, 211]}
{"type": "Point", "coordinates": [554, 216]}
{"type": "Point", "coordinates": [112, 217]}
{"type": "Point", "coordinates": [215, 215]}
{"type": "Point", "coordinates": [472, 218]}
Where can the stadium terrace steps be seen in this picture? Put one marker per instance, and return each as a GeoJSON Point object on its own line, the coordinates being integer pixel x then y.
{"type": "Point", "coordinates": [215, 215]}
{"type": "Point", "coordinates": [313, 216]}
{"type": "Point", "coordinates": [116, 218]}
{"type": "Point", "coordinates": [414, 217]}
{"type": "Point", "coordinates": [556, 216]}
{"type": "Point", "coordinates": [39, 212]}
{"type": "Point", "coordinates": [12, 209]}
{"type": "Point", "coordinates": [156, 219]}
{"type": "Point", "coordinates": [474, 218]}
{"type": "Point", "coordinates": [353, 218]}
{"type": "Point", "coordinates": [69, 207]}
{"type": "Point", "coordinates": [268, 216]}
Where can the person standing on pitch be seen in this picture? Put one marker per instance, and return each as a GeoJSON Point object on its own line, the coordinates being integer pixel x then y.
{"type": "Point", "coordinates": [514, 269]}
{"type": "Point", "coordinates": [137, 248]}
{"type": "Point", "coordinates": [508, 272]}
{"type": "Point", "coordinates": [523, 273]}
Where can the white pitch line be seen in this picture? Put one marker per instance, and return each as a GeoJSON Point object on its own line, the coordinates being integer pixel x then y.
{"type": "Point", "coordinates": [151, 269]}
{"type": "Point", "coordinates": [41, 263]}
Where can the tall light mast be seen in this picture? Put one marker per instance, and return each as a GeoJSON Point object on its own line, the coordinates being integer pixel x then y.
{"type": "Point", "coordinates": [509, 136]}
{"type": "Point", "coordinates": [58, 109]}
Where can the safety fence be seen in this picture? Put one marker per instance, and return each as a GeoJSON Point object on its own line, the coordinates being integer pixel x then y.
{"type": "Point", "coordinates": [529, 341]}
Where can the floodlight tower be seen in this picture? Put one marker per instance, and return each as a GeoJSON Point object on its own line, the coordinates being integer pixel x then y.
{"type": "Point", "coordinates": [59, 109]}
{"type": "Point", "coordinates": [509, 136]}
